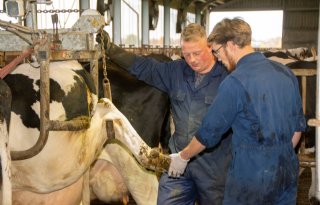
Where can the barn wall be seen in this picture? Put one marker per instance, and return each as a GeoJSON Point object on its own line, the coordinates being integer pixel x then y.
{"type": "Point", "coordinates": [300, 20]}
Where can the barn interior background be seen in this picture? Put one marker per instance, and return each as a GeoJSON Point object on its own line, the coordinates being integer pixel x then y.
{"type": "Point", "coordinates": [153, 26]}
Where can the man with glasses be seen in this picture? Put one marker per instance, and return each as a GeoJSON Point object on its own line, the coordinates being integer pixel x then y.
{"type": "Point", "coordinates": [192, 85]}
{"type": "Point", "coordinates": [260, 100]}
{"type": "Point", "coordinates": [216, 52]}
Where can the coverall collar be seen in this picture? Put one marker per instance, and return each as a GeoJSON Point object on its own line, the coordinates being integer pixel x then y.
{"type": "Point", "coordinates": [189, 74]}
{"type": "Point", "coordinates": [255, 56]}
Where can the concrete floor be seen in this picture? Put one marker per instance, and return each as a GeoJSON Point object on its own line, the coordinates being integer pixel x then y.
{"type": "Point", "coordinates": [303, 187]}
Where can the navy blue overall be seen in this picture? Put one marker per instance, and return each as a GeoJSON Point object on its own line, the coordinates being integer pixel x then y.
{"type": "Point", "coordinates": [260, 100]}
{"type": "Point", "coordinates": [204, 179]}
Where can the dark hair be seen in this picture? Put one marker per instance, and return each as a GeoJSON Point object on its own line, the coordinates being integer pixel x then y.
{"type": "Point", "coordinates": [236, 30]}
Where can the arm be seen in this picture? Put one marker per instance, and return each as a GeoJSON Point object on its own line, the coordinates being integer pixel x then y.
{"type": "Point", "coordinates": [193, 148]}
{"type": "Point", "coordinates": [301, 121]}
{"type": "Point", "coordinates": [217, 121]}
{"type": "Point", "coordinates": [180, 160]}
{"type": "Point", "coordinates": [121, 57]}
{"type": "Point", "coordinates": [147, 69]}
{"type": "Point", "coordinates": [295, 138]}
{"type": "Point", "coordinates": [116, 54]}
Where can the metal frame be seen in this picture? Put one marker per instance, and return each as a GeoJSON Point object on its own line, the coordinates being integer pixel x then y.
{"type": "Point", "coordinates": [42, 43]}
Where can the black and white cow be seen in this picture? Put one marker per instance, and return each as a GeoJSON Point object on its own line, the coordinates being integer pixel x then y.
{"type": "Point", "coordinates": [141, 103]}
{"type": "Point", "coordinates": [294, 53]}
{"type": "Point", "coordinates": [68, 154]}
{"type": "Point", "coordinates": [147, 109]}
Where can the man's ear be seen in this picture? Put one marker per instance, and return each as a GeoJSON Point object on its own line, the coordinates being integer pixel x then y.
{"type": "Point", "coordinates": [230, 44]}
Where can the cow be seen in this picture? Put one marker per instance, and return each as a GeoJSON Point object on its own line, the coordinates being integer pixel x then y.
{"type": "Point", "coordinates": [293, 53]}
{"type": "Point", "coordinates": [5, 104]}
{"type": "Point", "coordinates": [67, 154]}
{"type": "Point", "coordinates": [143, 186]}
{"type": "Point", "coordinates": [141, 103]}
{"type": "Point", "coordinates": [147, 109]}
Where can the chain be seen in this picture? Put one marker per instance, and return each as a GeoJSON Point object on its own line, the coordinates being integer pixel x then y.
{"type": "Point", "coordinates": [104, 63]}
{"type": "Point", "coordinates": [106, 83]}
{"type": "Point", "coordinates": [55, 11]}
{"type": "Point", "coordinates": [60, 11]}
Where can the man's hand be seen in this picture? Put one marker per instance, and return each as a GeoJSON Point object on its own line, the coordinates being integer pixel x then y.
{"type": "Point", "coordinates": [106, 40]}
{"type": "Point", "coordinates": [116, 54]}
{"type": "Point", "coordinates": [177, 165]}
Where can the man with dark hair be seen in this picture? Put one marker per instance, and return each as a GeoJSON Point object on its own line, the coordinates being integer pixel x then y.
{"type": "Point", "coordinates": [260, 100]}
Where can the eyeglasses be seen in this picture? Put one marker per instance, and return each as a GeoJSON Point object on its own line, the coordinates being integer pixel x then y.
{"type": "Point", "coordinates": [216, 52]}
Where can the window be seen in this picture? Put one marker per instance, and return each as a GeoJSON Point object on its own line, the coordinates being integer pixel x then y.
{"type": "Point", "coordinates": [174, 36]}
{"type": "Point", "coordinates": [191, 18]}
{"type": "Point", "coordinates": [130, 22]}
{"type": "Point", "coordinates": [266, 26]}
{"type": "Point", "coordinates": [5, 17]}
{"type": "Point", "coordinates": [66, 20]}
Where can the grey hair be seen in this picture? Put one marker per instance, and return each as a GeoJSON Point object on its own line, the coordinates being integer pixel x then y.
{"type": "Point", "coordinates": [193, 32]}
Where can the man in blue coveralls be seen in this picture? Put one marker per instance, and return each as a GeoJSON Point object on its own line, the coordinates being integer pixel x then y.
{"type": "Point", "coordinates": [192, 85]}
{"type": "Point", "coordinates": [260, 100]}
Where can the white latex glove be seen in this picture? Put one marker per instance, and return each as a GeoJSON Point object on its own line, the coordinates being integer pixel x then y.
{"type": "Point", "coordinates": [177, 165]}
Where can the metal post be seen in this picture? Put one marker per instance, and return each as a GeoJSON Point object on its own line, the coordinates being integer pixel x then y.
{"type": "Point", "coordinates": [166, 34]}
{"type": "Point", "coordinates": [84, 4]}
{"type": "Point", "coordinates": [34, 16]}
{"type": "Point", "coordinates": [31, 17]}
{"type": "Point", "coordinates": [317, 191]}
{"type": "Point", "coordinates": [44, 59]}
{"type": "Point", "coordinates": [116, 22]}
{"type": "Point", "coordinates": [198, 12]}
{"type": "Point", "coordinates": [145, 22]}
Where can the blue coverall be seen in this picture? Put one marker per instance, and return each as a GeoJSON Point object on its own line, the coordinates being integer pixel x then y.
{"type": "Point", "coordinates": [205, 175]}
{"type": "Point", "coordinates": [260, 100]}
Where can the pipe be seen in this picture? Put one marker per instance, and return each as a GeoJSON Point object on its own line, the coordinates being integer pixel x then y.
{"type": "Point", "coordinates": [145, 22]}
{"type": "Point", "coordinates": [44, 115]}
{"type": "Point", "coordinates": [12, 65]}
{"type": "Point", "coordinates": [45, 123]}
{"type": "Point", "coordinates": [166, 30]}
{"type": "Point", "coordinates": [34, 16]}
{"type": "Point", "coordinates": [116, 22]}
